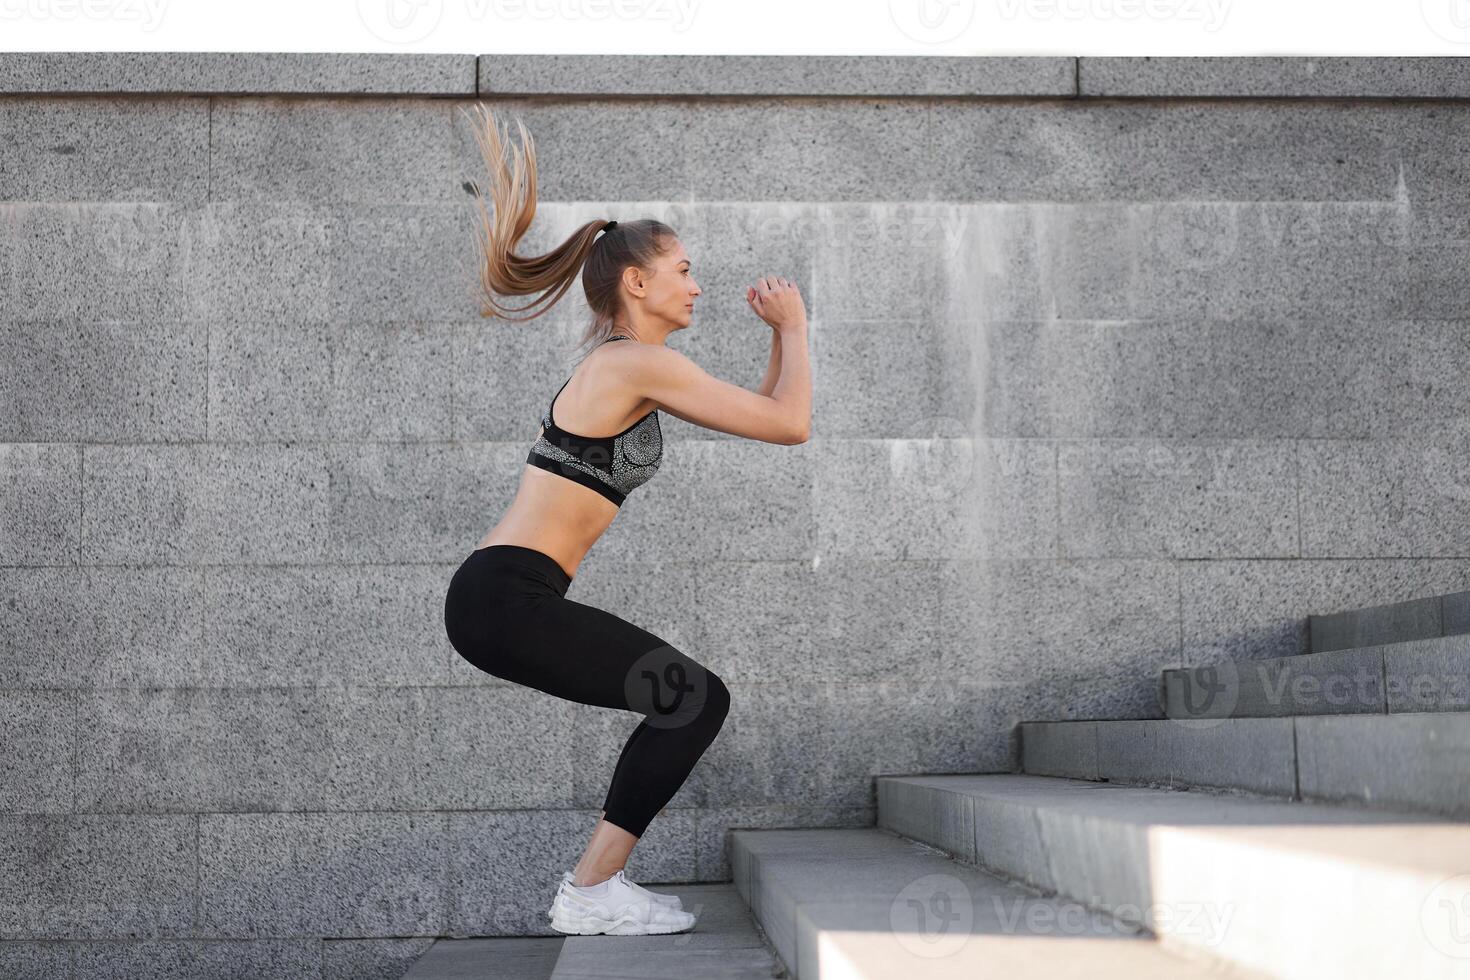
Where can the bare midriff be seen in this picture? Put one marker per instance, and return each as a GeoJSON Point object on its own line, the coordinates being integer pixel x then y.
{"type": "Point", "coordinates": [555, 516]}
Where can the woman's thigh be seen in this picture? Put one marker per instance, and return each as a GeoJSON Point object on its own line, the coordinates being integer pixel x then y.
{"type": "Point", "coordinates": [581, 653]}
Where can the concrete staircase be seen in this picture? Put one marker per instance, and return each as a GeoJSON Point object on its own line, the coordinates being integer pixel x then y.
{"type": "Point", "coordinates": [724, 945]}
{"type": "Point", "coordinates": [1302, 817]}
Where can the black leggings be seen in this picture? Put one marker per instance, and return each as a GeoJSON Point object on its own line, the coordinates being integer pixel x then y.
{"type": "Point", "coordinates": [507, 613]}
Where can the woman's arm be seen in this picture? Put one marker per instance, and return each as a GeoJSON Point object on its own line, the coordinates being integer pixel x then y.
{"type": "Point", "coordinates": [773, 369]}
{"type": "Point", "coordinates": [794, 387]}
{"type": "Point", "coordinates": [685, 391]}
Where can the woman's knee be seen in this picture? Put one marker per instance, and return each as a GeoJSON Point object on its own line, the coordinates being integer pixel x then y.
{"type": "Point", "coordinates": [717, 701]}
{"type": "Point", "coordinates": [703, 704]}
{"type": "Point", "coordinates": [715, 706]}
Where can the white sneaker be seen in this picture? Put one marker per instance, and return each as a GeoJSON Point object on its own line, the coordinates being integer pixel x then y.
{"type": "Point", "coordinates": [672, 901]}
{"type": "Point", "coordinates": [619, 910]}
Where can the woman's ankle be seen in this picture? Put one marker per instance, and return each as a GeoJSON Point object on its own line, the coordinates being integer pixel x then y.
{"type": "Point", "coordinates": [584, 881]}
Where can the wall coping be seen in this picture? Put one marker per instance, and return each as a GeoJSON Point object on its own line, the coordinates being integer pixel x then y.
{"type": "Point", "coordinates": [555, 75]}
{"type": "Point", "coordinates": [235, 73]}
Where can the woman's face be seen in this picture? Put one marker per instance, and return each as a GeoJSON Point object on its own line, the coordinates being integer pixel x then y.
{"type": "Point", "coordinates": [670, 291]}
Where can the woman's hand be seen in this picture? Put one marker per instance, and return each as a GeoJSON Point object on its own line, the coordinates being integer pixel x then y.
{"type": "Point", "coordinates": [778, 302]}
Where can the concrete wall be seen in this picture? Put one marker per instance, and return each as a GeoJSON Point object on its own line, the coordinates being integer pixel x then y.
{"type": "Point", "coordinates": [1119, 364]}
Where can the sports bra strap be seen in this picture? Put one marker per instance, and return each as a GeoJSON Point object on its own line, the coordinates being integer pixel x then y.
{"type": "Point", "coordinates": [552, 405]}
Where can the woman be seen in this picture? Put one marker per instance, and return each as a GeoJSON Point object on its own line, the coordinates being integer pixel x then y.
{"type": "Point", "coordinates": [506, 609]}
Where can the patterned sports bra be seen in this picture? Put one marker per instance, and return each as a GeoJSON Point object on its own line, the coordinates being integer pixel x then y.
{"type": "Point", "coordinates": [611, 465]}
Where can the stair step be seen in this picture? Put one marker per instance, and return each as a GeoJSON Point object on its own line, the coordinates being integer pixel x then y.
{"type": "Point", "coordinates": [503, 957]}
{"type": "Point", "coordinates": [1415, 762]}
{"type": "Point", "coordinates": [723, 945]}
{"type": "Point", "coordinates": [1412, 619]}
{"type": "Point", "coordinates": [868, 903]}
{"type": "Point", "coordinates": [1296, 890]}
{"type": "Point", "coordinates": [1406, 676]}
